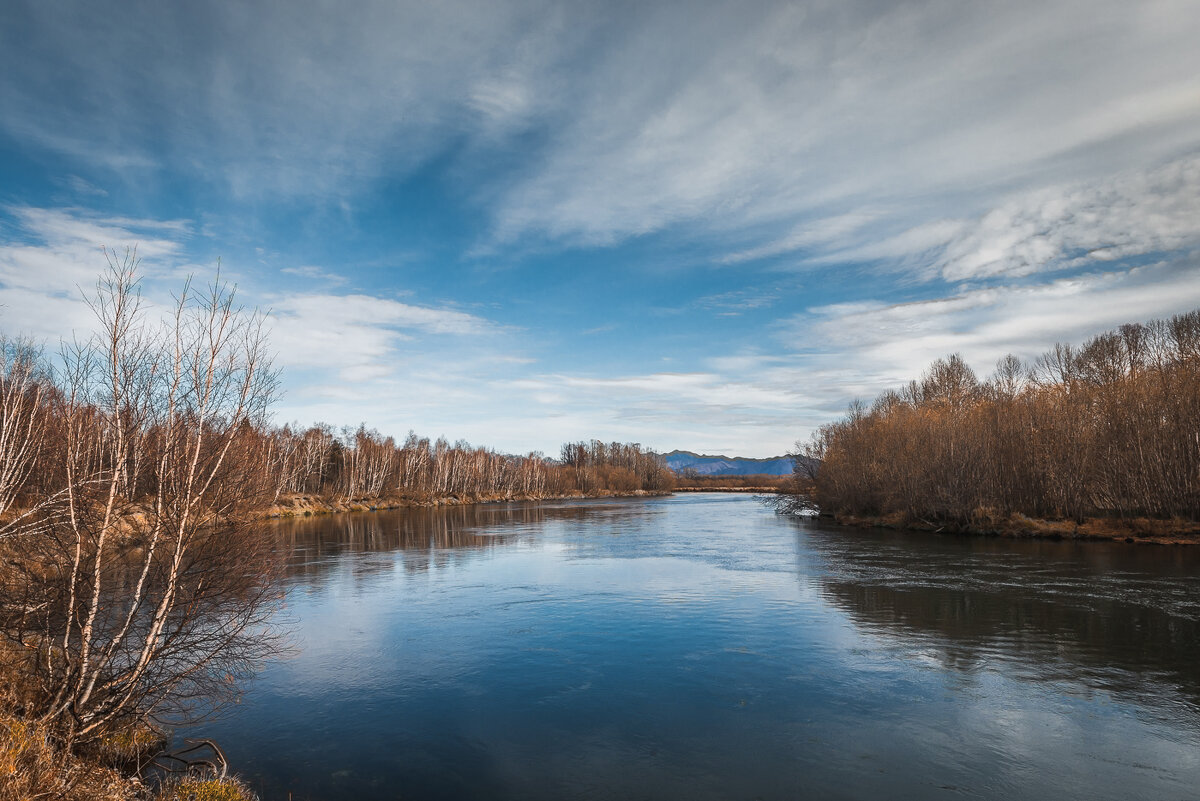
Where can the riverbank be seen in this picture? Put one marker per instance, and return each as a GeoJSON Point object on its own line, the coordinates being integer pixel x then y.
{"type": "Point", "coordinates": [307, 505]}
{"type": "Point", "coordinates": [1134, 531]}
{"type": "Point", "coordinates": [753, 490]}
{"type": "Point", "coordinates": [34, 765]}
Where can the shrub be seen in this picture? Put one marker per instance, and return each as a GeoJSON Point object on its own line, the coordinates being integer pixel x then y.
{"type": "Point", "coordinates": [207, 790]}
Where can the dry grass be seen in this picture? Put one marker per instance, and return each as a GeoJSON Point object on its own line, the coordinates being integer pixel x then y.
{"type": "Point", "coordinates": [207, 790]}
{"type": "Point", "coordinates": [310, 504]}
{"type": "Point", "coordinates": [32, 766]}
{"type": "Point", "coordinates": [127, 749]}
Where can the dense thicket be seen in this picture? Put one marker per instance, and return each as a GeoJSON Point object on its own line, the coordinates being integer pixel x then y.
{"type": "Point", "coordinates": [1109, 429]}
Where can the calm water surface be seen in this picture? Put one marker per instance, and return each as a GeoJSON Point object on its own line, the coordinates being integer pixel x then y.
{"type": "Point", "coordinates": [701, 647]}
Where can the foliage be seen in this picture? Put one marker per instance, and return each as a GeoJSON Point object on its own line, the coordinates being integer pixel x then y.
{"type": "Point", "coordinates": [34, 765]}
{"type": "Point", "coordinates": [1109, 429]}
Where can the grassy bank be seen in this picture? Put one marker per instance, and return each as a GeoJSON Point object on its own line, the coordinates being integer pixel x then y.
{"type": "Point", "coordinates": [752, 490]}
{"type": "Point", "coordinates": [302, 504]}
{"type": "Point", "coordinates": [34, 765]}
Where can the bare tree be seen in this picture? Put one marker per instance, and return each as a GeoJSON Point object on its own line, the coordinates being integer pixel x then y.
{"type": "Point", "coordinates": [23, 418]}
{"type": "Point", "coordinates": [141, 590]}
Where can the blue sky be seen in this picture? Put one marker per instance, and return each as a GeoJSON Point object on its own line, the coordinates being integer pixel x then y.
{"type": "Point", "coordinates": [695, 225]}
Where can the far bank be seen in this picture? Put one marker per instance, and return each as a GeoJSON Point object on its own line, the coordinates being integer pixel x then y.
{"type": "Point", "coordinates": [306, 505]}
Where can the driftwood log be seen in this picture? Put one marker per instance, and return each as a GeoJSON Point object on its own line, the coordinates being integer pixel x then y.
{"type": "Point", "coordinates": [199, 759]}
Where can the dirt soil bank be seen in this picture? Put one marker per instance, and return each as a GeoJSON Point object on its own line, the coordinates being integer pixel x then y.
{"type": "Point", "coordinates": [1140, 531]}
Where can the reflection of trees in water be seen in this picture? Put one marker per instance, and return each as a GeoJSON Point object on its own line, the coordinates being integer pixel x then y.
{"type": "Point", "coordinates": [430, 537]}
{"type": "Point", "coordinates": [1048, 610]}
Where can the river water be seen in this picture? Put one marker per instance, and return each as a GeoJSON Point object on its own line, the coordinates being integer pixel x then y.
{"type": "Point", "coordinates": [702, 647]}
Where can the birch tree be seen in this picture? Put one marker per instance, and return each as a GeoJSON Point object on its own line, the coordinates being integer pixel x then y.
{"type": "Point", "coordinates": [143, 590]}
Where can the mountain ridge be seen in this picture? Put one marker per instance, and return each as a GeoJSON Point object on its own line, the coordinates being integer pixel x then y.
{"type": "Point", "coordinates": [720, 465]}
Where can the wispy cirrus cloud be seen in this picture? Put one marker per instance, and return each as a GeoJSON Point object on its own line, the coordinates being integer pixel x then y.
{"type": "Point", "coordinates": [737, 301]}
{"type": "Point", "coordinates": [811, 116]}
{"type": "Point", "coordinates": [53, 256]}
{"type": "Point", "coordinates": [773, 126]}
{"type": "Point", "coordinates": [263, 99]}
{"type": "Point", "coordinates": [1081, 224]}
{"type": "Point", "coordinates": [315, 273]}
{"type": "Point", "coordinates": [815, 234]}
{"type": "Point", "coordinates": [359, 336]}
{"type": "Point", "coordinates": [885, 343]}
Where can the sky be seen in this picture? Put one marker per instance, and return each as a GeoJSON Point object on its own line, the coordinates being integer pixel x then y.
{"type": "Point", "coordinates": [696, 225]}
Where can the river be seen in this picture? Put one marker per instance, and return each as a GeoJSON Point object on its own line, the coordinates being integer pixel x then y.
{"type": "Point", "coordinates": [702, 647]}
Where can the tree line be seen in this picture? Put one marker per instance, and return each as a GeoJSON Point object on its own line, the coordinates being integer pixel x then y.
{"type": "Point", "coordinates": [41, 410]}
{"type": "Point", "coordinates": [362, 463]}
{"type": "Point", "coordinates": [1109, 429]}
{"type": "Point", "coordinates": [690, 480]}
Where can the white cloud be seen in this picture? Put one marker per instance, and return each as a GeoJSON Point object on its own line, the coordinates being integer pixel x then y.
{"type": "Point", "coordinates": [302, 100]}
{"type": "Point", "coordinates": [757, 402]}
{"type": "Point", "coordinates": [737, 301]}
{"type": "Point", "coordinates": [345, 358]}
{"type": "Point", "coordinates": [358, 336]}
{"type": "Point", "coordinates": [889, 343]}
{"type": "Point", "coordinates": [315, 273]}
{"type": "Point", "coordinates": [46, 271]}
{"type": "Point", "coordinates": [400, 365]}
{"type": "Point", "coordinates": [731, 410]}
{"type": "Point", "coordinates": [962, 145]}
{"type": "Point", "coordinates": [79, 186]}
{"type": "Point", "coordinates": [501, 101]}
{"type": "Point", "coordinates": [802, 116]}
{"type": "Point", "coordinates": [780, 125]}
{"type": "Point", "coordinates": [819, 232]}
{"type": "Point", "coordinates": [1057, 228]}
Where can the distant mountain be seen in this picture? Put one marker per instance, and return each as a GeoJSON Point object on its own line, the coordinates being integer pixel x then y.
{"type": "Point", "coordinates": [704, 465]}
